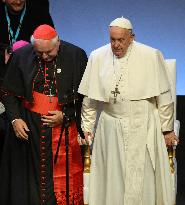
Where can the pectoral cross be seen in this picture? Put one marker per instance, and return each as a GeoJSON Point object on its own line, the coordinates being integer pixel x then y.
{"type": "Point", "coordinates": [115, 93]}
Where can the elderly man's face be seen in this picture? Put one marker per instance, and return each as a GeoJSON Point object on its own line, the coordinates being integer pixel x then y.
{"type": "Point", "coordinates": [15, 5]}
{"type": "Point", "coordinates": [120, 40]}
{"type": "Point", "coordinates": [46, 49]}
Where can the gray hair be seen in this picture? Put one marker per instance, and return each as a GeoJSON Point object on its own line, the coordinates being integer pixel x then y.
{"type": "Point", "coordinates": [53, 40]}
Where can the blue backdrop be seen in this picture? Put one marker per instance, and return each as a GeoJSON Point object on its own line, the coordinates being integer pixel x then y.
{"type": "Point", "coordinates": [158, 23]}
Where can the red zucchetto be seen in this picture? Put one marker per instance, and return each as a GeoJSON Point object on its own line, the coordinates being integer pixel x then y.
{"type": "Point", "coordinates": [44, 32]}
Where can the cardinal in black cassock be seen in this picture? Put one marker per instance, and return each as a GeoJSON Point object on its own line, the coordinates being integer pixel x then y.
{"type": "Point", "coordinates": [41, 90]}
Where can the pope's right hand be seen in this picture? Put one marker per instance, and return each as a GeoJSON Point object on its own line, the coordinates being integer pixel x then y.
{"type": "Point", "coordinates": [20, 129]}
{"type": "Point", "coordinates": [88, 137]}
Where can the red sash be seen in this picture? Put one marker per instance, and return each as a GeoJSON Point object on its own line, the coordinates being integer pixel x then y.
{"type": "Point", "coordinates": [42, 104]}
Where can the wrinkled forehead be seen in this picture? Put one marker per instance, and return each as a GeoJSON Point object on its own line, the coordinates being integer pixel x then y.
{"type": "Point", "coordinates": [117, 31]}
{"type": "Point", "coordinates": [44, 45]}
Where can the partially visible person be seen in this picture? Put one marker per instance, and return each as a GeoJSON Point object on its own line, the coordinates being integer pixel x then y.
{"type": "Point", "coordinates": [19, 44]}
{"type": "Point", "coordinates": [15, 46]}
{"type": "Point", "coordinates": [130, 163]}
{"type": "Point", "coordinates": [3, 117]}
{"type": "Point", "coordinates": [18, 20]}
{"type": "Point", "coordinates": [41, 93]}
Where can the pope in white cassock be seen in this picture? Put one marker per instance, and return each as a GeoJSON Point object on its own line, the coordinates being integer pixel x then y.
{"type": "Point", "coordinates": [129, 160]}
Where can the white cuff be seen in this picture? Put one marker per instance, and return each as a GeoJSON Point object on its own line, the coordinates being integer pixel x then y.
{"type": "Point", "coordinates": [13, 121]}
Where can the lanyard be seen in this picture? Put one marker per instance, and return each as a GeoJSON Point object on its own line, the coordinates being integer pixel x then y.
{"type": "Point", "coordinates": [12, 36]}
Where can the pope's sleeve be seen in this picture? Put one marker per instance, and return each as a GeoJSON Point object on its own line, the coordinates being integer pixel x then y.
{"type": "Point", "coordinates": [84, 84]}
{"type": "Point", "coordinates": [165, 102]}
{"type": "Point", "coordinates": [166, 111]}
{"type": "Point", "coordinates": [88, 114]}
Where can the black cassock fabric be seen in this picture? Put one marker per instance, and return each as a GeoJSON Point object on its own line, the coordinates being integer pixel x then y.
{"type": "Point", "coordinates": [19, 170]}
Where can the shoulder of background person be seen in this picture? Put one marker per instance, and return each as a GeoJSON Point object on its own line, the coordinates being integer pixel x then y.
{"type": "Point", "coordinates": [39, 13]}
{"type": "Point", "coordinates": [44, 4]}
{"type": "Point", "coordinates": [1, 7]}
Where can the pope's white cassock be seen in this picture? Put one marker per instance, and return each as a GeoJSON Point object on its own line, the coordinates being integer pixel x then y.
{"type": "Point", "coordinates": [129, 161]}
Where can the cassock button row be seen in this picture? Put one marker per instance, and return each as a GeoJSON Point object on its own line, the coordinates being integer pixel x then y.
{"type": "Point", "coordinates": [43, 179]}
{"type": "Point", "coordinates": [43, 137]}
{"type": "Point", "coordinates": [43, 166]}
{"type": "Point", "coordinates": [43, 184]}
{"type": "Point", "coordinates": [43, 172]}
{"type": "Point", "coordinates": [43, 189]}
{"type": "Point", "coordinates": [42, 147]}
{"type": "Point", "coordinates": [42, 159]}
{"type": "Point", "coordinates": [43, 201]}
{"type": "Point", "coordinates": [43, 195]}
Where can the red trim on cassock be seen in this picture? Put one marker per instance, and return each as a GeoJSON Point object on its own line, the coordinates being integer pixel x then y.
{"type": "Point", "coordinates": [42, 105]}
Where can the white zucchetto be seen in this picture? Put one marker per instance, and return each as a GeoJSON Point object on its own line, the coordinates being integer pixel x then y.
{"type": "Point", "coordinates": [122, 23]}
